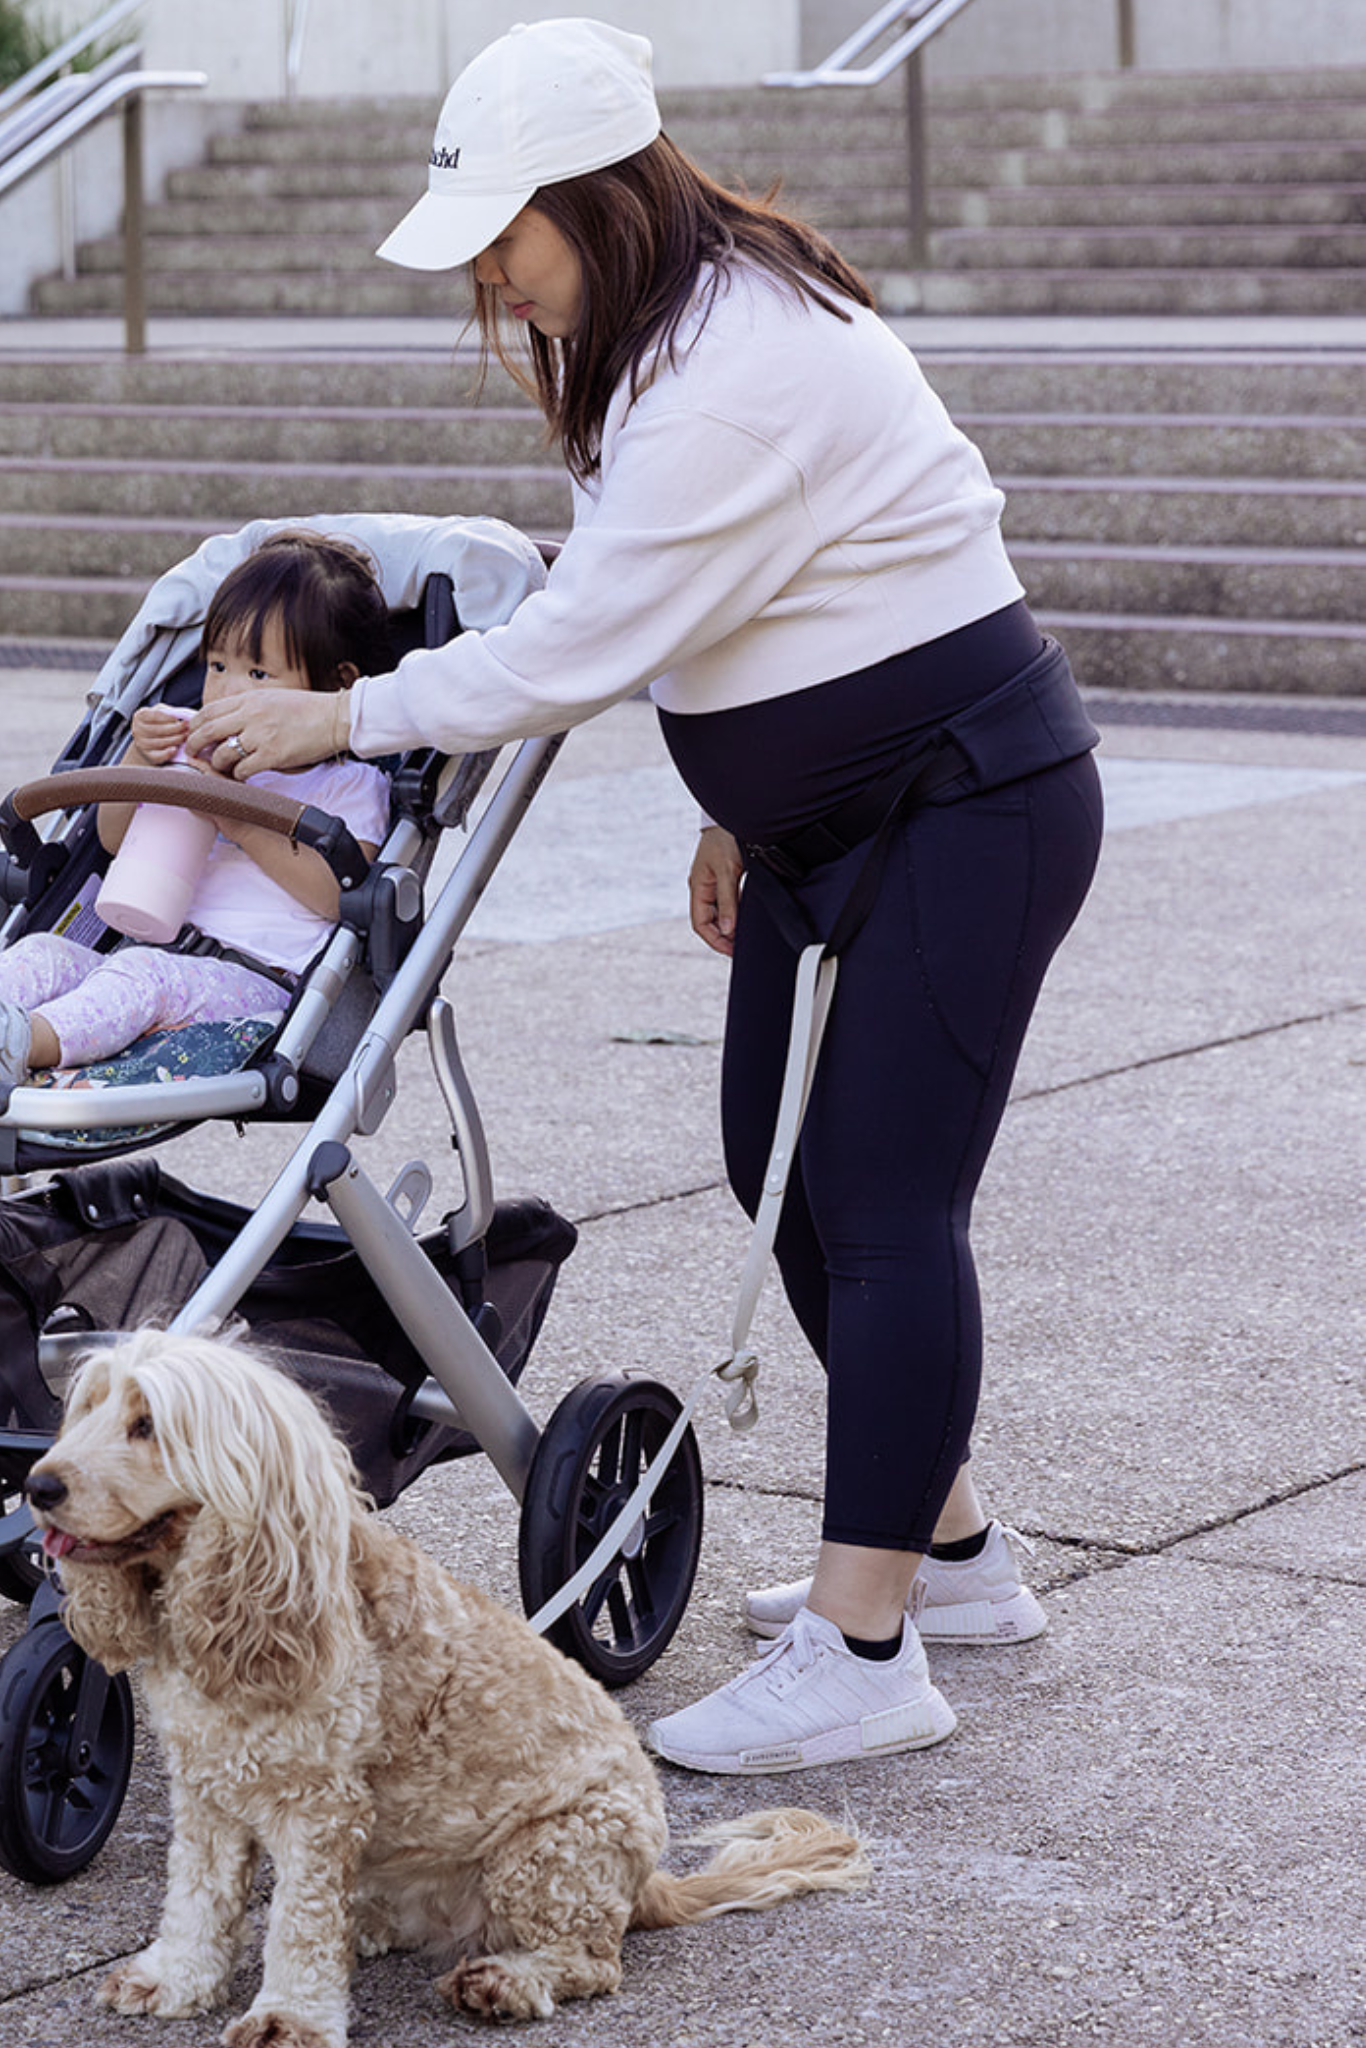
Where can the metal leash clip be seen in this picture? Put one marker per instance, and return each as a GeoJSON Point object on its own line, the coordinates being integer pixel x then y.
{"type": "Point", "coordinates": [739, 1372]}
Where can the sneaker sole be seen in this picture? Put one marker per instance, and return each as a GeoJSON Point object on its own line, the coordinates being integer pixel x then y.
{"type": "Point", "coordinates": [984, 1623]}
{"type": "Point", "coordinates": [929, 1721]}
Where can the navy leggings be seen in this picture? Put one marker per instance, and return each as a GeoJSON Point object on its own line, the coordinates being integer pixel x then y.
{"type": "Point", "coordinates": [933, 997]}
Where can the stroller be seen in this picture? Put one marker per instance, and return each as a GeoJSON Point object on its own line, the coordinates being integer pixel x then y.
{"type": "Point", "coordinates": [360, 1307]}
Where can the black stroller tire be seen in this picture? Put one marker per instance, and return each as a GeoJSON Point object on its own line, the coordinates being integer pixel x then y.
{"type": "Point", "coordinates": [60, 1791]}
{"type": "Point", "coordinates": [590, 1458]}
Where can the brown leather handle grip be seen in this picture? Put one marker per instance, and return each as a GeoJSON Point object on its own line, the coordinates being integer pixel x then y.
{"type": "Point", "coordinates": [184, 787]}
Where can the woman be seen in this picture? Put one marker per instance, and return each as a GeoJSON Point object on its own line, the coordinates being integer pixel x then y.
{"type": "Point", "coordinates": [777, 528]}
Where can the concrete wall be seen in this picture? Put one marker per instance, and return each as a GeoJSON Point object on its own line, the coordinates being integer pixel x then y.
{"type": "Point", "coordinates": [416, 46]}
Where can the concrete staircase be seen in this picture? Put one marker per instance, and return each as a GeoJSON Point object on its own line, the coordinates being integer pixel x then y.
{"type": "Point", "coordinates": [1127, 192]}
{"type": "Point", "coordinates": [1190, 521]}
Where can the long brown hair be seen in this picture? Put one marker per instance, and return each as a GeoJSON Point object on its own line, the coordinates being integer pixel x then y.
{"type": "Point", "coordinates": [642, 230]}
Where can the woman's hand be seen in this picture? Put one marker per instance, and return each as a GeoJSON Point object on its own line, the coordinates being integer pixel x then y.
{"type": "Point", "coordinates": [714, 889]}
{"type": "Point", "coordinates": [268, 728]}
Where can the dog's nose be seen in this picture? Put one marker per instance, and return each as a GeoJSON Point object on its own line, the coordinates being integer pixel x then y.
{"type": "Point", "coordinates": [45, 1490]}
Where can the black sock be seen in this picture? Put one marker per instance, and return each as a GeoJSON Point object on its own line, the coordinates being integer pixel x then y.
{"type": "Point", "coordinates": [962, 1550]}
{"type": "Point", "coordinates": [874, 1653]}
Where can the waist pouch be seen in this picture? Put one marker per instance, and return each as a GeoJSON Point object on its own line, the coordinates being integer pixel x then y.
{"type": "Point", "coordinates": [1034, 721]}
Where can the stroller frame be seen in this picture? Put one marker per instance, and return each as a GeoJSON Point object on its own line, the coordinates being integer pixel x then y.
{"type": "Point", "coordinates": [572, 1478]}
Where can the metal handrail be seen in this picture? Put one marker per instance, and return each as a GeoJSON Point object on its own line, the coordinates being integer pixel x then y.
{"type": "Point", "coordinates": [927, 18]}
{"type": "Point", "coordinates": [68, 118]}
{"type": "Point", "coordinates": [75, 46]}
{"type": "Point", "coordinates": [294, 53]}
{"type": "Point", "coordinates": [39, 113]}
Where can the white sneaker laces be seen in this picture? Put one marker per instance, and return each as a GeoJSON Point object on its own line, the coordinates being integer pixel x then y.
{"type": "Point", "coordinates": [784, 1659]}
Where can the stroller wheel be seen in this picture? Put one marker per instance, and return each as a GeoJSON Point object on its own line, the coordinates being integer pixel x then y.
{"type": "Point", "coordinates": [590, 1458]}
{"type": "Point", "coordinates": [66, 1753]}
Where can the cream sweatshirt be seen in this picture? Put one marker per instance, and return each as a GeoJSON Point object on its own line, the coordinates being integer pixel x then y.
{"type": "Point", "coordinates": [786, 502]}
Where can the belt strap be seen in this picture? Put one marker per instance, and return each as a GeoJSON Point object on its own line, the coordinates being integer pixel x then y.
{"type": "Point", "coordinates": [913, 779]}
{"type": "Point", "coordinates": [191, 940]}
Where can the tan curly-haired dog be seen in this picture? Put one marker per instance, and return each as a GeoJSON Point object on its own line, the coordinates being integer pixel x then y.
{"type": "Point", "coordinates": [422, 1768]}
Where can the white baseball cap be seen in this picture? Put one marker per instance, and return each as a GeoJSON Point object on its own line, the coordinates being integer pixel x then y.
{"type": "Point", "coordinates": [550, 100]}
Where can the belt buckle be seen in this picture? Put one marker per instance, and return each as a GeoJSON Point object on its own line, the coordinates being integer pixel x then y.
{"type": "Point", "coordinates": [777, 862]}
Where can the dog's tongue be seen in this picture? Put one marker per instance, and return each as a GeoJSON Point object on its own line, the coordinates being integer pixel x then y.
{"type": "Point", "coordinates": [56, 1543]}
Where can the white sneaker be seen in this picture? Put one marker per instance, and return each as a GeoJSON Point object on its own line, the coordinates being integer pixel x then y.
{"type": "Point", "coordinates": [809, 1700]}
{"type": "Point", "coordinates": [980, 1601]}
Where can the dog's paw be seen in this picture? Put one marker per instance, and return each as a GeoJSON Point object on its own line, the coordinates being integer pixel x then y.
{"type": "Point", "coordinates": [497, 1987]}
{"type": "Point", "coordinates": [148, 1983]}
{"type": "Point", "coordinates": [130, 1988]}
{"type": "Point", "coordinates": [277, 2030]}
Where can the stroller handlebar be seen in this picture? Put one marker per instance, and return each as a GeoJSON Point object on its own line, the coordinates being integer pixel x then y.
{"type": "Point", "coordinates": [188, 790]}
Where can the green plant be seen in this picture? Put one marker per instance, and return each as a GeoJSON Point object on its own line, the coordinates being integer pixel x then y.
{"type": "Point", "coordinates": [21, 42]}
{"type": "Point", "coordinates": [24, 41]}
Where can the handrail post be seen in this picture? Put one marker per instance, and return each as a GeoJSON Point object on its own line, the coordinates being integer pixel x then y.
{"type": "Point", "coordinates": [1125, 31]}
{"type": "Point", "coordinates": [134, 230]}
{"type": "Point", "coordinates": [917, 170]}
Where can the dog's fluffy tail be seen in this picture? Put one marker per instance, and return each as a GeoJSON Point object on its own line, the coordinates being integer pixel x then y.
{"type": "Point", "coordinates": [764, 1858]}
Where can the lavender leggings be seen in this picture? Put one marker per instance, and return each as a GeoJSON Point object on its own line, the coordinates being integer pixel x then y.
{"type": "Point", "coordinates": [98, 1003]}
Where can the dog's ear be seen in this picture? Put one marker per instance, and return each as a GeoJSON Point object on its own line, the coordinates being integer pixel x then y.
{"type": "Point", "coordinates": [111, 1615]}
{"type": "Point", "coordinates": [259, 1615]}
{"type": "Point", "coordinates": [260, 1601]}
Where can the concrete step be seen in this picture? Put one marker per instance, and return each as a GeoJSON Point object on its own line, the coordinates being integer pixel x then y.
{"type": "Point", "coordinates": [1097, 445]}
{"type": "Point", "coordinates": [1239, 383]}
{"type": "Point", "coordinates": [1179, 444]}
{"type": "Point", "coordinates": [280, 434]}
{"type": "Point", "coordinates": [230, 493]}
{"type": "Point", "coordinates": [1265, 656]}
{"type": "Point", "coordinates": [1209, 124]}
{"type": "Point", "coordinates": [370, 133]}
{"type": "Point", "coordinates": [1125, 516]}
{"type": "Point", "coordinates": [1314, 585]}
{"type": "Point", "coordinates": [1134, 206]}
{"type": "Point", "coordinates": [1175, 512]}
{"type": "Point", "coordinates": [1145, 293]}
{"type": "Point", "coordinates": [339, 235]}
{"type": "Point", "coordinates": [382, 291]}
{"type": "Point", "coordinates": [290, 207]}
{"type": "Point", "coordinates": [1232, 246]}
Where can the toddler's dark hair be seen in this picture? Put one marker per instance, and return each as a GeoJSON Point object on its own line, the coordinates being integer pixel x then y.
{"type": "Point", "coordinates": [326, 597]}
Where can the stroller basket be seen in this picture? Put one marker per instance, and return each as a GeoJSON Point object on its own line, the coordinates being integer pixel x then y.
{"type": "Point", "coordinates": [104, 1248]}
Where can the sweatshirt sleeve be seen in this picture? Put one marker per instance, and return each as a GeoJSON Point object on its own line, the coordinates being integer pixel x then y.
{"type": "Point", "coordinates": [700, 523]}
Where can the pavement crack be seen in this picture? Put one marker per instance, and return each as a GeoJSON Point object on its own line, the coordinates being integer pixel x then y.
{"type": "Point", "coordinates": [603, 1215]}
{"type": "Point", "coordinates": [1187, 1052]}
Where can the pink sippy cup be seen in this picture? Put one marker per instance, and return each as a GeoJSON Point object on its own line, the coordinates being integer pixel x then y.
{"type": "Point", "coordinates": [153, 876]}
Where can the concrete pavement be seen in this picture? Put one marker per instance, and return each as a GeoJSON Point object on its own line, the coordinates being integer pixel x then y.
{"type": "Point", "coordinates": [1146, 1830]}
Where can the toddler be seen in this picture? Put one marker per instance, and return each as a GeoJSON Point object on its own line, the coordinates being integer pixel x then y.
{"type": "Point", "coordinates": [303, 612]}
